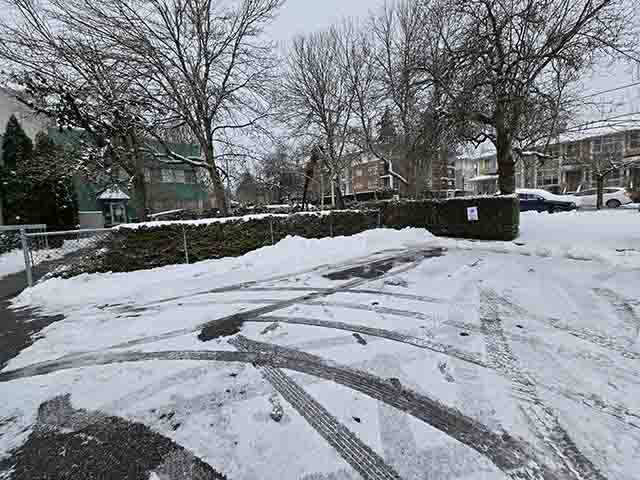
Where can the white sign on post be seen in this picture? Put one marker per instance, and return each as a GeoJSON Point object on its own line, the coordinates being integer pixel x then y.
{"type": "Point", "coordinates": [472, 214]}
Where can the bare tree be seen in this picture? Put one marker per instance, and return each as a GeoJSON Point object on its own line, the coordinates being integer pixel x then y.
{"type": "Point", "coordinates": [317, 101]}
{"type": "Point", "coordinates": [399, 34]}
{"type": "Point", "coordinates": [77, 81]}
{"type": "Point", "coordinates": [370, 106]}
{"type": "Point", "coordinates": [199, 64]}
{"type": "Point", "coordinates": [504, 58]}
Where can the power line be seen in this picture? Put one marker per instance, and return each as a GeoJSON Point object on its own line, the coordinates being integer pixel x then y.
{"type": "Point", "coordinates": [611, 90]}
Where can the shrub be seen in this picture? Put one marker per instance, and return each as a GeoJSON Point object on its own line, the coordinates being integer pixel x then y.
{"type": "Point", "coordinates": [498, 217]}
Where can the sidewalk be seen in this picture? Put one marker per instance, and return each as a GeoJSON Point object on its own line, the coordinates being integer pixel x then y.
{"type": "Point", "coordinates": [17, 327]}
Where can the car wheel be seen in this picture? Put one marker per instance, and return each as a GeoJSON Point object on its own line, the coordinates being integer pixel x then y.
{"type": "Point", "coordinates": [613, 204]}
{"type": "Point", "coordinates": [552, 210]}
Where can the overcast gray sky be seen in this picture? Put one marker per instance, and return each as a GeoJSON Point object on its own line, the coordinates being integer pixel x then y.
{"type": "Point", "coordinates": [301, 16]}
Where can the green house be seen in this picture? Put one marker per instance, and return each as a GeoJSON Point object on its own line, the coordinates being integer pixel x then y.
{"type": "Point", "coordinates": [168, 186]}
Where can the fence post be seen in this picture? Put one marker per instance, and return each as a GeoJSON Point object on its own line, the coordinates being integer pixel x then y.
{"type": "Point", "coordinates": [331, 223]}
{"type": "Point", "coordinates": [27, 258]}
{"type": "Point", "coordinates": [379, 218]}
{"type": "Point", "coordinates": [186, 247]}
{"type": "Point", "coordinates": [271, 228]}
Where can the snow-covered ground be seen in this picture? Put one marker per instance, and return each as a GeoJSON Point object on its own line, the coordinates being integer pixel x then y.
{"type": "Point", "coordinates": [476, 363]}
{"type": "Point", "coordinates": [11, 262]}
{"type": "Point", "coordinates": [609, 236]}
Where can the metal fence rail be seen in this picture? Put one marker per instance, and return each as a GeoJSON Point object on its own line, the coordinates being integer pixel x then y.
{"type": "Point", "coordinates": [51, 253]}
{"type": "Point", "coordinates": [10, 235]}
{"type": "Point", "coordinates": [73, 252]}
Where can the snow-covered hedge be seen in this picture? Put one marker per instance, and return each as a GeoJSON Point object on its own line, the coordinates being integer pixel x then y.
{"type": "Point", "coordinates": [498, 216]}
{"type": "Point", "coordinates": [156, 246]}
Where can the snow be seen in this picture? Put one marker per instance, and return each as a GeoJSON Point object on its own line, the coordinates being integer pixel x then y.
{"type": "Point", "coordinates": [559, 289]}
{"type": "Point", "coordinates": [113, 194]}
{"type": "Point", "coordinates": [608, 236]}
{"type": "Point", "coordinates": [631, 206]}
{"type": "Point", "coordinates": [482, 178]}
{"type": "Point", "coordinates": [11, 262]}
{"type": "Point", "coordinates": [548, 195]}
{"type": "Point", "coordinates": [168, 212]}
{"type": "Point", "coordinates": [208, 221]}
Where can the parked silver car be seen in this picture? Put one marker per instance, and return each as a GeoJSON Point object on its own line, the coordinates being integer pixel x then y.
{"type": "Point", "coordinates": [612, 197]}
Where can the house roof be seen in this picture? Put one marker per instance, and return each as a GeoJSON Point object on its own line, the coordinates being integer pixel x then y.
{"type": "Point", "coordinates": [113, 193]}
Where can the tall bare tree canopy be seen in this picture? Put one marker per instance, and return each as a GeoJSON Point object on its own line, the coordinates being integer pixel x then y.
{"type": "Point", "coordinates": [200, 64]}
{"type": "Point", "coordinates": [508, 62]}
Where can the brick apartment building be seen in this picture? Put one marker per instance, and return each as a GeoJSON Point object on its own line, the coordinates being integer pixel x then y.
{"type": "Point", "coordinates": [568, 170]}
{"type": "Point", "coordinates": [368, 178]}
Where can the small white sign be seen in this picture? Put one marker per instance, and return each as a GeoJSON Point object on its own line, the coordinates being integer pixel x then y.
{"type": "Point", "coordinates": [472, 214]}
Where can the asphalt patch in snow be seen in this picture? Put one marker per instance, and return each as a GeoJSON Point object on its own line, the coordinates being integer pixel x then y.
{"type": "Point", "coordinates": [18, 329]}
{"type": "Point", "coordinates": [378, 268]}
{"type": "Point", "coordinates": [68, 443]}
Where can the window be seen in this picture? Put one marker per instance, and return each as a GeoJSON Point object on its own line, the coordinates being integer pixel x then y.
{"type": "Point", "coordinates": [358, 172]}
{"type": "Point", "coordinates": [189, 176]}
{"type": "Point", "coordinates": [372, 184]}
{"type": "Point", "coordinates": [606, 145]}
{"type": "Point", "coordinates": [634, 139]}
{"type": "Point", "coordinates": [147, 175]}
{"type": "Point", "coordinates": [179, 176]}
{"type": "Point", "coordinates": [386, 182]}
{"type": "Point", "coordinates": [585, 193]}
{"type": "Point", "coordinates": [168, 176]}
{"type": "Point", "coordinates": [573, 150]}
{"type": "Point", "coordinates": [373, 170]}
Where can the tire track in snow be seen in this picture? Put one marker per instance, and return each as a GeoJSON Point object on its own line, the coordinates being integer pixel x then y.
{"type": "Point", "coordinates": [514, 457]}
{"type": "Point", "coordinates": [625, 309]}
{"type": "Point", "coordinates": [603, 341]}
{"type": "Point", "coordinates": [238, 318]}
{"type": "Point", "coordinates": [442, 348]}
{"type": "Point", "coordinates": [355, 452]}
{"type": "Point", "coordinates": [363, 291]}
{"type": "Point", "coordinates": [321, 269]}
{"type": "Point", "coordinates": [543, 419]}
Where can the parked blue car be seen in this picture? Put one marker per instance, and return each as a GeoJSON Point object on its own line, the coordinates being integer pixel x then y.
{"type": "Point", "coordinates": [542, 201]}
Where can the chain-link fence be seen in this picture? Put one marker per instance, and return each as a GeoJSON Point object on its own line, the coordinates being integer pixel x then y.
{"type": "Point", "coordinates": [149, 246]}
{"type": "Point", "coordinates": [57, 253]}
{"type": "Point", "coordinates": [10, 235]}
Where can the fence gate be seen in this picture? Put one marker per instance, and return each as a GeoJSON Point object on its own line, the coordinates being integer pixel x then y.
{"type": "Point", "coordinates": [57, 253]}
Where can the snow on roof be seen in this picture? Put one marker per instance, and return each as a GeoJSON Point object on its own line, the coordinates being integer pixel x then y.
{"type": "Point", "coordinates": [168, 212]}
{"type": "Point", "coordinates": [481, 178]}
{"type": "Point", "coordinates": [113, 194]}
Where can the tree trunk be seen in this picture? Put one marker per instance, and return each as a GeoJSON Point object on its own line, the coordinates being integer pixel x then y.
{"type": "Point", "coordinates": [339, 197]}
{"type": "Point", "coordinates": [309, 171]}
{"type": "Point", "coordinates": [599, 191]}
{"type": "Point", "coordinates": [216, 182]}
{"type": "Point", "coordinates": [506, 164]}
{"type": "Point", "coordinates": [140, 191]}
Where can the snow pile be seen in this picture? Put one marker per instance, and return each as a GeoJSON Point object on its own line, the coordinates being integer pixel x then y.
{"type": "Point", "coordinates": [11, 262]}
{"type": "Point", "coordinates": [610, 236]}
{"type": "Point", "coordinates": [290, 255]}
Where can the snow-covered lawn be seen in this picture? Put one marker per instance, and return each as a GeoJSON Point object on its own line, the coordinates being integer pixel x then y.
{"type": "Point", "coordinates": [494, 360]}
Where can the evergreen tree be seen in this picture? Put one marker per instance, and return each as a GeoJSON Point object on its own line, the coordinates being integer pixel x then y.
{"type": "Point", "coordinates": [50, 195]}
{"type": "Point", "coordinates": [386, 128]}
{"type": "Point", "coordinates": [17, 149]}
{"type": "Point", "coordinates": [16, 144]}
